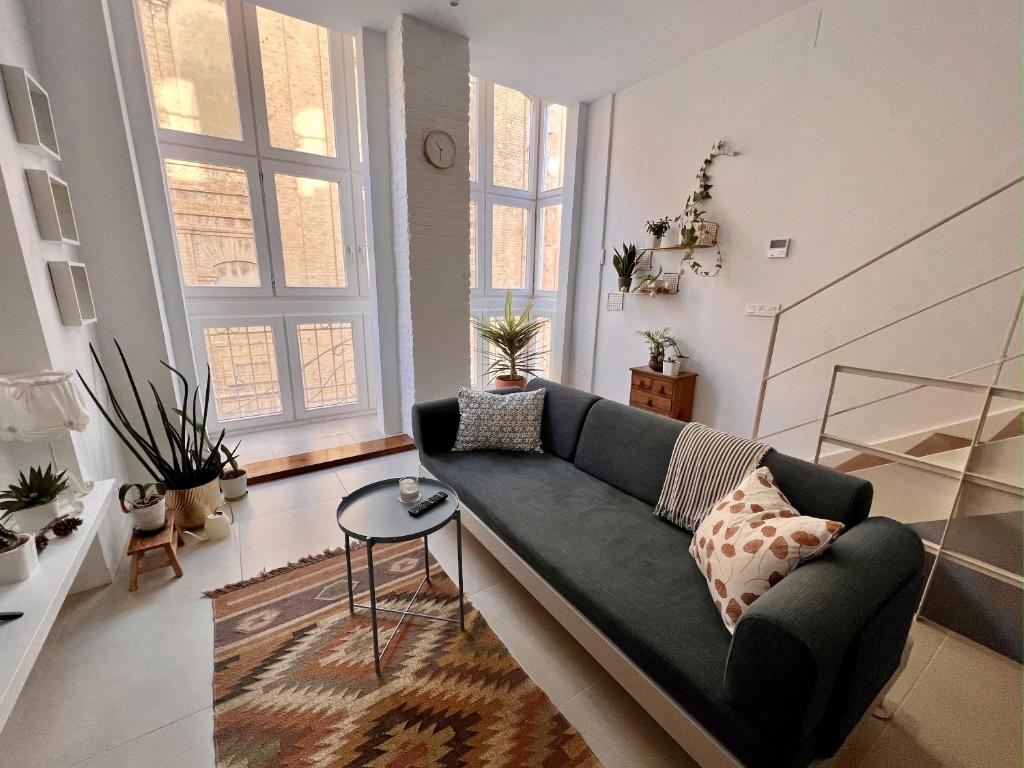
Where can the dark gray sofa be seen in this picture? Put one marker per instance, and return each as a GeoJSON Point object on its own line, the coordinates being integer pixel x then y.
{"type": "Point", "coordinates": [807, 659]}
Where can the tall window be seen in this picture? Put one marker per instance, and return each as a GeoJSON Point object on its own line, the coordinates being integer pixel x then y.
{"type": "Point", "coordinates": [258, 123]}
{"type": "Point", "coordinates": [517, 179]}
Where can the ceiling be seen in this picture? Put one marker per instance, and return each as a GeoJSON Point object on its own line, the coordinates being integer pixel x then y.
{"type": "Point", "coordinates": [564, 50]}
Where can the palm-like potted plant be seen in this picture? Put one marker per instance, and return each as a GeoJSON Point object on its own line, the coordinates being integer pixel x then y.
{"type": "Point", "coordinates": [625, 264]}
{"type": "Point", "coordinates": [510, 349]}
{"type": "Point", "coordinates": [659, 341]}
{"type": "Point", "coordinates": [32, 501]}
{"type": "Point", "coordinates": [185, 460]}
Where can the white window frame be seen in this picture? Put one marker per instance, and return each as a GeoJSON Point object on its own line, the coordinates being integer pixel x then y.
{"type": "Point", "coordinates": [481, 282]}
{"type": "Point", "coordinates": [543, 203]}
{"type": "Point", "coordinates": [341, 72]}
{"type": "Point", "coordinates": [487, 130]}
{"type": "Point", "coordinates": [252, 172]}
{"type": "Point", "coordinates": [198, 325]}
{"type": "Point", "coordinates": [339, 177]}
{"type": "Point", "coordinates": [292, 322]}
{"type": "Point", "coordinates": [512, 202]}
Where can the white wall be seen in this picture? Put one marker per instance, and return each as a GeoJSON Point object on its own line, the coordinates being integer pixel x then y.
{"type": "Point", "coordinates": [859, 124]}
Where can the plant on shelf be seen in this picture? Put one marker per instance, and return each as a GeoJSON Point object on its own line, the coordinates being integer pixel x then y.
{"type": "Point", "coordinates": [657, 230]}
{"type": "Point", "coordinates": [648, 283]}
{"type": "Point", "coordinates": [658, 342]}
{"type": "Point", "coordinates": [625, 264]}
{"type": "Point", "coordinates": [185, 460]}
{"type": "Point", "coordinates": [32, 501]}
{"type": "Point", "coordinates": [510, 344]}
{"type": "Point", "coordinates": [146, 503]}
{"type": "Point", "coordinates": [17, 559]}
{"type": "Point", "coordinates": [694, 231]}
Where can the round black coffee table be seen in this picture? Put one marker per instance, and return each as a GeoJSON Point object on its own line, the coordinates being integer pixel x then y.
{"type": "Point", "coordinates": [375, 514]}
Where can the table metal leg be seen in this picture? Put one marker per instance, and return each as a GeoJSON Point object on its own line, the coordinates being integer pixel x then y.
{"type": "Point", "coordinates": [373, 603]}
{"type": "Point", "coordinates": [426, 558]}
{"type": "Point", "coordinates": [458, 548]}
{"type": "Point", "coordinates": [348, 571]}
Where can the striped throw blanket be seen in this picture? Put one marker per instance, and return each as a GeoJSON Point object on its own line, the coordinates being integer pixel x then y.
{"type": "Point", "coordinates": [706, 464]}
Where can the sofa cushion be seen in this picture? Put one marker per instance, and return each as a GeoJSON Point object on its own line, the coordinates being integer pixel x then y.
{"type": "Point", "coordinates": [565, 410]}
{"type": "Point", "coordinates": [630, 575]}
{"type": "Point", "coordinates": [630, 449]}
{"type": "Point", "coordinates": [504, 423]}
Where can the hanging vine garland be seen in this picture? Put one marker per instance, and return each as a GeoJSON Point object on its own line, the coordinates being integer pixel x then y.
{"type": "Point", "coordinates": [691, 220]}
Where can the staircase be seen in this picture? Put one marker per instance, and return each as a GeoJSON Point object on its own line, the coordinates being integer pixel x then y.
{"type": "Point", "coordinates": [959, 487]}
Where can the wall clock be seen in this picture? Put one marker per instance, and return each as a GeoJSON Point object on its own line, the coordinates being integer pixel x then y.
{"type": "Point", "coordinates": [439, 148]}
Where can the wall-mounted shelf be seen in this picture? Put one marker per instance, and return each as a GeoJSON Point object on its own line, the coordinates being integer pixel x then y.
{"type": "Point", "coordinates": [30, 110]}
{"type": "Point", "coordinates": [52, 200]}
{"type": "Point", "coordinates": [74, 296]}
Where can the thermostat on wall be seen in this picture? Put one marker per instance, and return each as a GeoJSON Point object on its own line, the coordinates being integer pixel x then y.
{"type": "Point", "coordinates": [778, 249]}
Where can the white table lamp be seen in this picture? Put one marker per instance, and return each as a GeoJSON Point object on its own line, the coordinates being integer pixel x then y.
{"type": "Point", "coordinates": [41, 407]}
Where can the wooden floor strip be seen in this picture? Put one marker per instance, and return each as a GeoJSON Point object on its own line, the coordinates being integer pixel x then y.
{"type": "Point", "coordinates": [311, 461]}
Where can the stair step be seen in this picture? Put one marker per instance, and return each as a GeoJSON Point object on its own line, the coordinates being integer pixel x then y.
{"type": "Point", "coordinates": [939, 442]}
{"type": "Point", "coordinates": [1015, 428]}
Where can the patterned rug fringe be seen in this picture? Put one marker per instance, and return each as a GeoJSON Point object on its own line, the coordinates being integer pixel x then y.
{"type": "Point", "coordinates": [265, 574]}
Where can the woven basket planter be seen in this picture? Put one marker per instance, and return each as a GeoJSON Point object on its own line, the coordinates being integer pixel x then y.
{"type": "Point", "coordinates": [193, 505]}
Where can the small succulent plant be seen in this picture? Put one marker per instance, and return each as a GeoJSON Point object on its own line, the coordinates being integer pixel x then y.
{"type": "Point", "coordinates": [40, 487]}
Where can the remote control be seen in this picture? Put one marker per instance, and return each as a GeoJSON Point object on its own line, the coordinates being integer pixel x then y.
{"type": "Point", "coordinates": [11, 616]}
{"type": "Point", "coordinates": [426, 504]}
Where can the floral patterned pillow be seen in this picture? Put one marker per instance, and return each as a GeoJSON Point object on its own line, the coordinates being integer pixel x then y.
{"type": "Point", "coordinates": [751, 540]}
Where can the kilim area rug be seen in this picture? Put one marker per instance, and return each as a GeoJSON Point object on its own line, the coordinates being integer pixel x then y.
{"type": "Point", "coordinates": [294, 684]}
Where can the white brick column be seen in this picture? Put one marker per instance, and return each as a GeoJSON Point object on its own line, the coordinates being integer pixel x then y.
{"type": "Point", "coordinates": [428, 89]}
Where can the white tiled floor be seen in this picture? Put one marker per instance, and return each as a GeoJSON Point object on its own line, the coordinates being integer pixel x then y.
{"type": "Point", "coordinates": [125, 679]}
{"type": "Point", "coordinates": [288, 440]}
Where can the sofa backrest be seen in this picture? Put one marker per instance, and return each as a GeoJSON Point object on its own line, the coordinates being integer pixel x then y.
{"type": "Point", "coordinates": [630, 449]}
{"type": "Point", "coordinates": [565, 410]}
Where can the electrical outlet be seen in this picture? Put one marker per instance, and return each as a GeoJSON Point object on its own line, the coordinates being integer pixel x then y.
{"type": "Point", "coordinates": [763, 310]}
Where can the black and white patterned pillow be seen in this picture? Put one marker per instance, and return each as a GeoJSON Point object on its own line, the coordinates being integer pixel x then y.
{"type": "Point", "coordinates": [499, 422]}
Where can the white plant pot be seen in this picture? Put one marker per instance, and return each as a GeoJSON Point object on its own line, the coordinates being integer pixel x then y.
{"type": "Point", "coordinates": [34, 518]}
{"type": "Point", "coordinates": [19, 563]}
{"type": "Point", "coordinates": [654, 242]}
{"type": "Point", "coordinates": [671, 367]}
{"type": "Point", "coordinates": [235, 488]}
{"type": "Point", "coordinates": [151, 518]}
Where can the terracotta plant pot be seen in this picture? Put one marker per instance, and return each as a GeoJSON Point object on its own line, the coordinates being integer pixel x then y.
{"type": "Point", "coordinates": [19, 563]}
{"type": "Point", "coordinates": [507, 382]}
{"type": "Point", "coordinates": [193, 505]}
{"type": "Point", "coordinates": [234, 484]}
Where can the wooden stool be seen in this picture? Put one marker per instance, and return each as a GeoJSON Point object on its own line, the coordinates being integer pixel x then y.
{"type": "Point", "coordinates": [168, 539]}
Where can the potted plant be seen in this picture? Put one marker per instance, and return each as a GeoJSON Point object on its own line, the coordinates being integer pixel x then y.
{"type": "Point", "coordinates": [146, 503]}
{"type": "Point", "coordinates": [694, 230]}
{"type": "Point", "coordinates": [234, 482]}
{"type": "Point", "coordinates": [656, 231]}
{"type": "Point", "coordinates": [510, 345]}
{"type": "Point", "coordinates": [32, 501]}
{"type": "Point", "coordinates": [625, 265]}
{"type": "Point", "coordinates": [184, 460]}
{"type": "Point", "coordinates": [18, 556]}
{"type": "Point", "coordinates": [658, 342]}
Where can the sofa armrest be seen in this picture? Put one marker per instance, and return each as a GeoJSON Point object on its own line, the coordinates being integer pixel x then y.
{"type": "Point", "coordinates": [790, 647]}
{"type": "Point", "coordinates": [435, 423]}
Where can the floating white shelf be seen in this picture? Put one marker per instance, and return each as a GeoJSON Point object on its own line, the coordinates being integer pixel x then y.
{"type": "Point", "coordinates": [74, 296]}
{"type": "Point", "coordinates": [30, 109]}
{"type": "Point", "coordinates": [52, 200]}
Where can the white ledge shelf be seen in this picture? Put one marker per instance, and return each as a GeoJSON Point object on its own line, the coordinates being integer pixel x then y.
{"type": "Point", "coordinates": [30, 110]}
{"type": "Point", "coordinates": [51, 199]}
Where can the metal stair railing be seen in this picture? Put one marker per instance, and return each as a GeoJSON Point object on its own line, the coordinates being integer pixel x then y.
{"type": "Point", "coordinates": [768, 375]}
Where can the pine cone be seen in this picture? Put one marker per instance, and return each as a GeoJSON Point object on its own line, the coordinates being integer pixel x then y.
{"type": "Point", "coordinates": [66, 526]}
{"type": "Point", "coordinates": [41, 542]}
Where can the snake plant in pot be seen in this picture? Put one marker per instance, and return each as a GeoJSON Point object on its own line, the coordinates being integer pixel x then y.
{"type": "Point", "coordinates": [175, 451]}
{"type": "Point", "coordinates": [625, 265]}
{"type": "Point", "coordinates": [510, 349]}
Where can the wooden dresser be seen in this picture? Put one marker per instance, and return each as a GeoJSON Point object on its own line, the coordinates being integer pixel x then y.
{"type": "Point", "coordinates": [658, 392]}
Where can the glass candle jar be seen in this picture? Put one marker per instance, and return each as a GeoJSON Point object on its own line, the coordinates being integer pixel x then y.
{"type": "Point", "coordinates": [409, 489]}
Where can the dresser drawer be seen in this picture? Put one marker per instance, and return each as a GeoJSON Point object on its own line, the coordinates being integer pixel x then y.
{"type": "Point", "coordinates": [651, 385]}
{"type": "Point", "coordinates": [653, 402]}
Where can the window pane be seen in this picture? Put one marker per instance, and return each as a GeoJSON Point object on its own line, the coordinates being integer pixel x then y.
{"type": "Point", "coordinates": [472, 243]}
{"type": "Point", "coordinates": [189, 56]}
{"type": "Point", "coordinates": [213, 223]}
{"type": "Point", "coordinates": [309, 211]}
{"type": "Point", "coordinates": [511, 138]}
{"type": "Point", "coordinates": [542, 344]}
{"type": "Point", "coordinates": [554, 146]}
{"type": "Point", "coordinates": [508, 246]}
{"type": "Point", "coordinates": [243, 365]}
{"type": "Point", "coordinates": [297, 82]}
{"type": "Point", "coordinates": [473, 352]}
{"type": "Point", "coordinates": [327, 353]}
{"type": "Point", "coordinates": [550, 240]}
{"type": "Point", "coordinates": [474, 127]}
